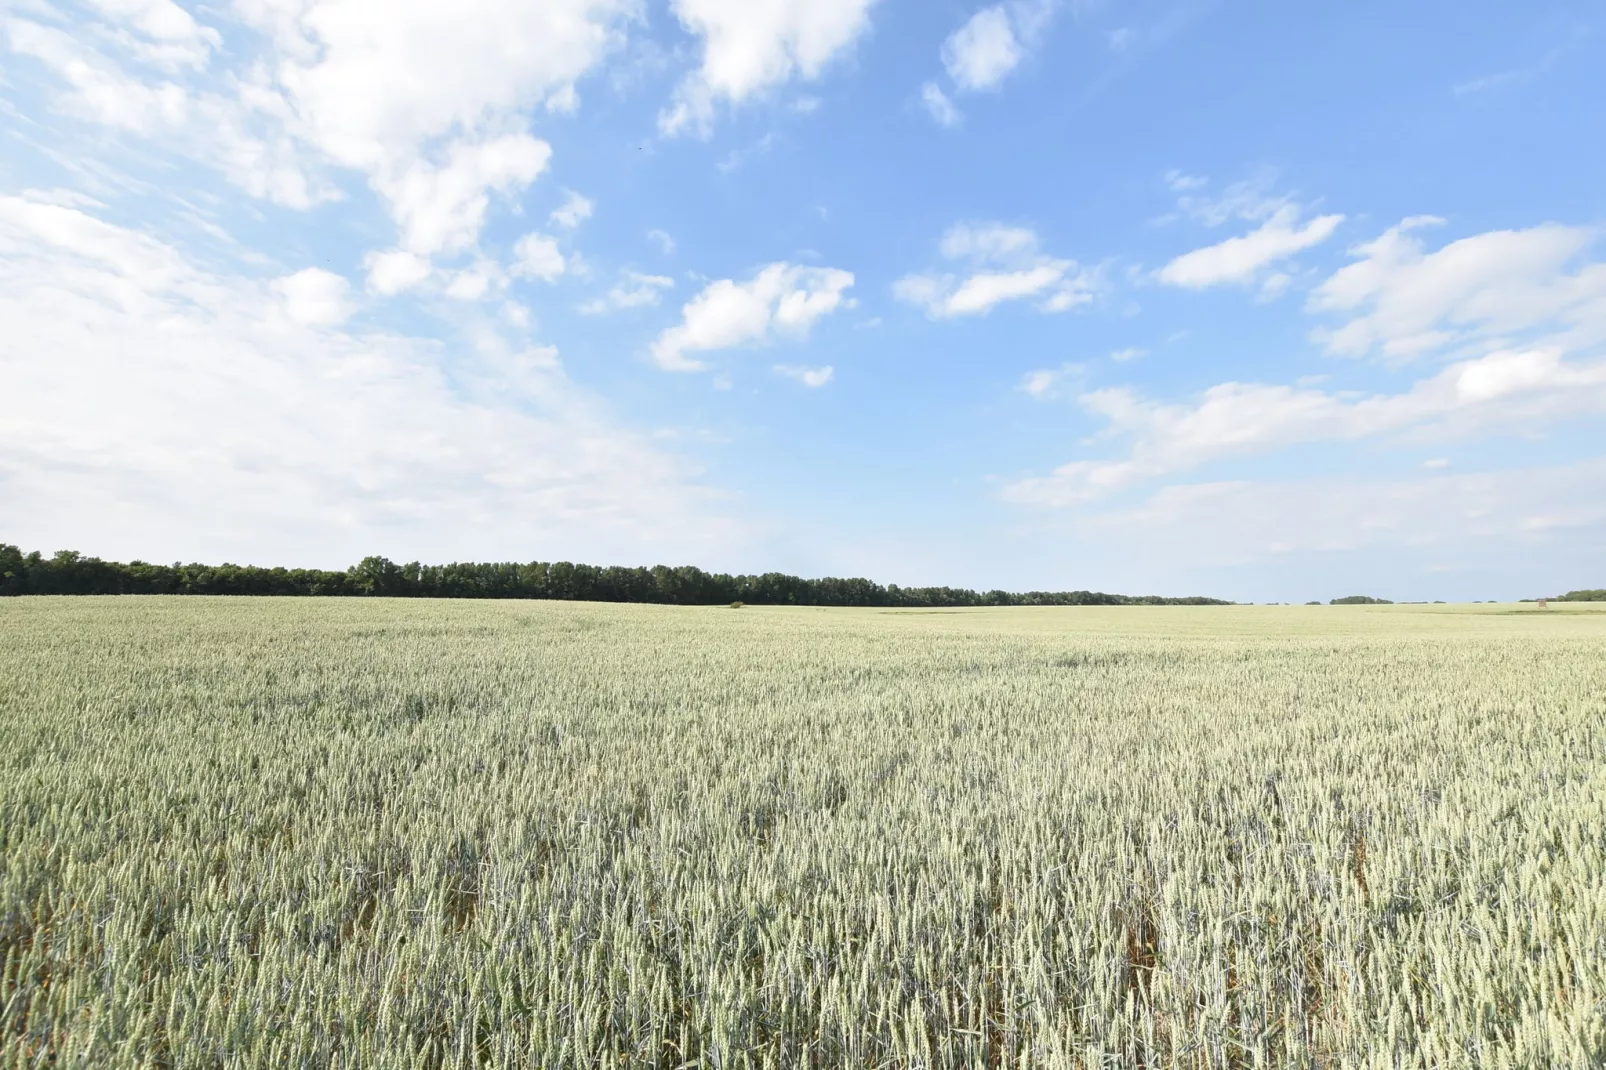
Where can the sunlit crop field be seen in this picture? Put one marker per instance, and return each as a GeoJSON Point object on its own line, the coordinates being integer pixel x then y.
{"type": "Point", "coordinates": [372, 833]}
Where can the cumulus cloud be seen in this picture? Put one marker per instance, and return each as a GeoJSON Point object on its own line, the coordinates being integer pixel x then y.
{"type": "Point", "coordinates": [634, 290]}
{"type": "Point", "coordinates": [1406, 301]}
{"type": "Point", "coordinates": [1004, 263]}
{"type": "Point", "coordinates": [981, 52]}
{"type": "Point", "coordinates": [442, 208]}
{"type": "Point", "coordinates": [992, 42]}
{"type": "Point", "coordinates": [435, 148]}
{"type": "Point", "coordinates": [350, 68]}
{"type": "Point", "coordinates": [812, 378]}
{"type": "Point", "coordinates": [217, 426]}
{"type": "Point", "coordinates": [1246, 419]}
{"type": "Point", "coordinates": [475, 282]}
{"type": "Point", "coordinates": [315, 297]}
{"type": "Point", "coordinates": [537, 256]}
{"type": "Point", "coordinates": [395, 271]}
{"type": "Point", "coordinates": [749, 46]}
{"type": "Point", "coordinates": [782, 297]}
{"type": "Point", "coordinates": [574, 210]}
{"type": "Point", "coordinates": [1242, 259]}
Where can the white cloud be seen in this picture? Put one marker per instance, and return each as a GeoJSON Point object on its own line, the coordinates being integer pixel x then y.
{"type": "Point", "coordinates": [1040, 382]}
{"type": "Point", "coordinates": [992, 42]}
{"type": "Point", "coordinates": [1490, 286]}
{"type": "Point", "coordinates": [1493, 81]}
{"type": "Point", "coordinates": [476, 282]}
{"type": "Point", "coordinates": [572, 212]}
{"type": "Point", "coordinates": [982, 291]}
{"type": "Point", "coordinates": [442, 208]}
{"type": "Point", "coordinates": [242, 136]}
{"type": "Point", "coordinates": [737, 157]}
{"type": "Point", "coordinates": [1045, 383]}
{"type": "Point", "coordinates": [939, 106]}
{"type": "Point", "coordinates": [1244, 419]}
{"type": "Point", "coordinates": [217, 427]}
{"type": "Point", "coordinates": [1130, 353]}
{"type": "Point", "coordinates": [784, 297]}
{"type": "Point", "coordinates": [1180, 182]}
{"type": "Point", "coordinates": [395, 271]}
{"type": "Point", "coordinates": [517, 314]}
{"type": "Point", "coordinates": [536, 256]}
{"type": "Point", "coordinates": [349, 72]}
{"type": "Point", "coordinates": [1274, 286]}
{"type": "Point", "coordinates": [981, 52]}
{"type": "Point", "coordinates": [988, 242]}
{"type": "Point", "coordinates": [100, 91]}
{"type": "Point", "coordinates": [809, 377]}
{"type": "Point", "coordinates": [351, 68]}
{"type": "Point", "coordinates": [162, 33]}
{"type": "Point", "coordinates": [344, 83]}
{"type": "Point", "coordinates": [1241, 259]}
{"type": "Point", "coordinates": [634, 290]}
{"type": "Point", "coordinates": [749, 46]}
{"type": "Point", "coordinates": [314, 297]}
{"type": "Point", "coordinates": [1249, 200]}
{"type": "Point", "coordinates": [662, 240]}
{"type": "Point", "coordinates": [1005, 264]}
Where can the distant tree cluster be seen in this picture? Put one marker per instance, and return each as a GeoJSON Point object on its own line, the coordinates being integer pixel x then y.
{"type": "Point", "coordinates": [68, 572]}
{"type": "Point", "coordinates": [1360, 600]}
{"type": "Point", "coordinates": [1582, 596]}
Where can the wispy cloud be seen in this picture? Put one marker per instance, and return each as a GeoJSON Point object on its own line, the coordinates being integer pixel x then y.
{"type": "Point", "coordinates": [939, 106]}
{"type": "Point", "coordinates": [1246, 419]}
{"type": "Point", "coordinates": [1406, 301]}
{"type": "Point", "coordinates": [1005, 263]}
{"type": "Point", "coordinates": [633, 290]}
{"type": "Point", "coordinates": [812, 378]}
{"type": "Point", "coordinates": [1242, 259]}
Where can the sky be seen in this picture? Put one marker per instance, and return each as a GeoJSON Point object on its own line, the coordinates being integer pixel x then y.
{"type": "Point", "coordinates": [1270, 302]}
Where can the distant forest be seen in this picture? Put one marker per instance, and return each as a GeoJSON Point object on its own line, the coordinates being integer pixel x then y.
{"type": "Point", "coordinates": [68, 572]}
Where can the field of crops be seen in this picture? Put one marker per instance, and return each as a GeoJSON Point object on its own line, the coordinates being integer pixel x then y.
{"type": "Point", "coordinates": [374, 833]}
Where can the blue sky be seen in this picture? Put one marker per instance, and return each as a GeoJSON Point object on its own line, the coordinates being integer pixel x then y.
{"type": "Point", "coordinates": [1270, 302]}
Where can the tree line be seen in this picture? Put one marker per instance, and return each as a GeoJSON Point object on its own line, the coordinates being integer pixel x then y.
{"type": "Point", "coordinates": [69, 572]}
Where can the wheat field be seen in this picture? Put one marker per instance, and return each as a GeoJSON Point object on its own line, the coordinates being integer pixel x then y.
{"type": "Point", "coordinates": [369, 833]}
